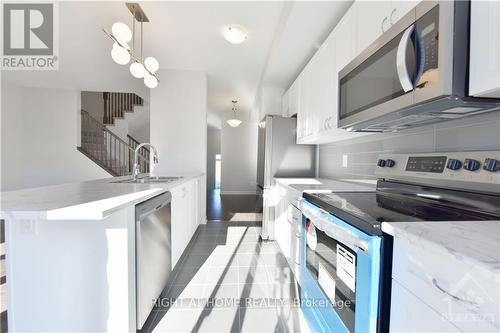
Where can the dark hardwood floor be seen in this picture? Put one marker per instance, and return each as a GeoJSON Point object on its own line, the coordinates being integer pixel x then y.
{"type": "Point", "coordinates": [243, 208]}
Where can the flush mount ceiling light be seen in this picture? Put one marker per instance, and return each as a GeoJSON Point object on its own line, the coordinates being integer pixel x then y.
{"type": "Point", "coordinates": [235, 34]}
{"type": "Point", "coordinates": [235, 122]}
{"type": "Point", "coordinates": [122, 53]}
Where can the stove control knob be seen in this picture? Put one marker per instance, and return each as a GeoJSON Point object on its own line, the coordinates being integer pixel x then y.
{"type": "Point", "coordinates": [471, 165]}
{"type": "Point", "coordinates": [454, 164]}
{"type": "Point", "coordinates": [381, 163]}
{"type": "Point", "coordinates": [491, 165]}
{"type": "Point", "coordinates": [390, 163]}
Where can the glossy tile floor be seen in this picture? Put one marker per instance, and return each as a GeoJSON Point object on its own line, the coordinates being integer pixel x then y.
{"type": "Point", "coordinates": [229, 281]}
{"type": "Point", "coordinates": [3, 281]}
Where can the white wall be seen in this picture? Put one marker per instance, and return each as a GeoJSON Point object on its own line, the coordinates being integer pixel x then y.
{"type": "Point", "coordinates": [178, 112]}
{"type": "Point", "coordinates": [213, 148]}
{"type": "Point", "coordinates": [139, 123]}
{"type": "Point", "coordinates": [134, 123]}
{"type": "Point", "coordinates": [239, 158]}
{"type": "Point", "coordinates": [40, 133]}
{"type": "Point", "coordinates": [269, 101]}
{"type": "Point", "coordinates": [179, 121]}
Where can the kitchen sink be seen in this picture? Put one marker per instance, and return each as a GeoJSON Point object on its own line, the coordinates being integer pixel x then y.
{"type": "Point", "coordinates": [150, 180]}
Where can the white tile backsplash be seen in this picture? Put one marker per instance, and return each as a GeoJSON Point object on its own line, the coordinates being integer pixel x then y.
{"type": "Point", "coordinates": [467, 134]}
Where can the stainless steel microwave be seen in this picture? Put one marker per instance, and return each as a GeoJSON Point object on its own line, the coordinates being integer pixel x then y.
{"type": "Point", "coordinates": [415, 74]}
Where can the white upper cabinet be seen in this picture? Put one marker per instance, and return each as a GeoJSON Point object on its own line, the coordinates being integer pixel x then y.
{"type": "Point", "coordinates": [326, 85]}
{"type": "Point", "coordinates": [376, 17]}
{"type": "Point", "coordinates": [372, 21]}
{"type": "Point", "coordinates": [485, 49]}
{"type": "Point", "coordinates": [400, 8]}
{"type": "Point", "coordinates": [314, 95]}
{"type": "Point", "coordinates": [344, 37]}
{"type": "Point", "coordinates": [298, 106]}
{"type": "Point", "coordinates": [285, 104]}
{"type": "Point", "coordinates": [308, 101]}
{"type": "Point", "coordinates": [294, 98]}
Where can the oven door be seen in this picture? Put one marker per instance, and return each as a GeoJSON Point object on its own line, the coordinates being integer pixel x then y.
{"type": "Point", "coordinates": [340, 274]}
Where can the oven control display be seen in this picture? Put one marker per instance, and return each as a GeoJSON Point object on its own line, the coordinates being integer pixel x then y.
{"type": "Point", "coordinates": [433, 164]}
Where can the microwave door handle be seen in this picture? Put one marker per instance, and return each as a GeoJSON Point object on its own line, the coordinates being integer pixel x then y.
{"type": "Point", "coordinates": [404, 77]}
{"type": "Point", "coordinates": [420, 46]}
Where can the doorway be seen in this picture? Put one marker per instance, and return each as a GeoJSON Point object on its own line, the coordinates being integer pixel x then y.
{"type": "Point", "coordinates": [218, 170]}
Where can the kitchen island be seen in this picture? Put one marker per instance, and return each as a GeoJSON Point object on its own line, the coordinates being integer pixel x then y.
{"type": "Point", "coordinates": [70, 251]}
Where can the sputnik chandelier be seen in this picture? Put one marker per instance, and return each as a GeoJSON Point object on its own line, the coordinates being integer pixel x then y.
{"type": "Point", "coordinates": [122, 53]}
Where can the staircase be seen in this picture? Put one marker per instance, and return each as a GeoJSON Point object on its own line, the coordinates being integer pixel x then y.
{"type": "Point", "coordinates": [116, 104]}
{"type": "Point", "coordinates": [108, 150]}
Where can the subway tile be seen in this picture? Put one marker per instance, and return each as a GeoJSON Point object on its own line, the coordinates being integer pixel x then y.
{"type": "Point", "coordinates": [477, 137]}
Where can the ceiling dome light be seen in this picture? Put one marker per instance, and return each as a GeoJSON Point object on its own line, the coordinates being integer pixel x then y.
{"type": "Point", "coordinates": [234, 122]}
{"type": "Point", "coordinates": [151, 64]}
{"type": "Point", "coordinates": [235, 34]}
{"type": "Point", "coordinates": [120, 55]}
{"type": "Point", "coordinates": [137, 70]}
{"type": "Point", "coordinates": [122, 32]}
{"type": "Point", "coordinates": [150, 81]}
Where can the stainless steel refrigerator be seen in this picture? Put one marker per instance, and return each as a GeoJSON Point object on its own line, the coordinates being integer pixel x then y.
{"type": "Point", "coordinates": [279, 155]}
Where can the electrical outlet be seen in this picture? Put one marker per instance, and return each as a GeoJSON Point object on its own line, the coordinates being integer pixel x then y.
{"type": "Point", "coordinates": [344, 160]}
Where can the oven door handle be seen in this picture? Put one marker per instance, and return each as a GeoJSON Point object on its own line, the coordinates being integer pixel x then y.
{"type": "Point", "coordinates": [333, 230]}
{"type": "Point", "coordinates": [404, 77]}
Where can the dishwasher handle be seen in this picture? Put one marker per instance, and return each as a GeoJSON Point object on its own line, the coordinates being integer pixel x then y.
{"type": "Point", "coordinates": [151, 205]}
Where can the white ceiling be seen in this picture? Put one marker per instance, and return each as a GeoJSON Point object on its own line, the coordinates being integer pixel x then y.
{"type": "Point", "coordinates": [187, 35]}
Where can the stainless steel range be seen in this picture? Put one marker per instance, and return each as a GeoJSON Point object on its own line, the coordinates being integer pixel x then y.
{"type": "Point", "coordinates": [347, 259]}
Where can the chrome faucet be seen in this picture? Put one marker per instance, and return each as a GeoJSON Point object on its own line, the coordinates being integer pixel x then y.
{"type": "Point", "coordinates": [137, 170]}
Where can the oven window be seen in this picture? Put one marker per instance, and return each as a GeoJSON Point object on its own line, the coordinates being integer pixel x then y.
{"type": "Point", "coordinates": [376, 80]}
{"type": "Point", "coordinates": [333, 265]}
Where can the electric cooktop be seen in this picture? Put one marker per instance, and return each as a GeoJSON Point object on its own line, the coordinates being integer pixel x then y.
{"type": "Point", "coordinates": [404, 202]}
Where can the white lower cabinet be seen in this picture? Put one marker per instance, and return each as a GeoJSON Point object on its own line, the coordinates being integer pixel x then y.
{"type": "Point", "coordinates": [186, 216]}
{"type": "Point", "coordinates": [410, 314]}
{"type": "Point", "coordinates": [287, 225]}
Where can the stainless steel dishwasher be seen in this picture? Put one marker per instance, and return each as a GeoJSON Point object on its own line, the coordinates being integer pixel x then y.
{"type": "Point", "coordinates": [153, 252]}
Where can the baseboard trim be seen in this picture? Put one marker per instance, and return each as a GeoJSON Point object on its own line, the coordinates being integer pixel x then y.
{"type": "Point", "coordinates": [238, 192]}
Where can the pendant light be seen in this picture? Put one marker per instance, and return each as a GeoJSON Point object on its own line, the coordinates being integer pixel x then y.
{"type": "Point", "coordinates": [122, 53]}
{"type": "Point", "coordinates": [234, 122]}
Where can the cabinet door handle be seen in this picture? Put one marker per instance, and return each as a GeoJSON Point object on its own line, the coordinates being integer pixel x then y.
{"type": "Point", "coordinates": [392, 15]}
{"type": "Point", "coordinates": [383, 24]}
{"type": "Point", "coordinates": [455, 297]}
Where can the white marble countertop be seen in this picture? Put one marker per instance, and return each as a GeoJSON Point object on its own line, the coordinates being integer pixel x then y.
{"type": "Point", "coordinates": [90, 200]}
{"type": "Point", "coordinates": [453, 267]}
{"type": "Point", "coordinates": [324, 185]}
{"type": "Point", "coordinates": [474, 242]}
